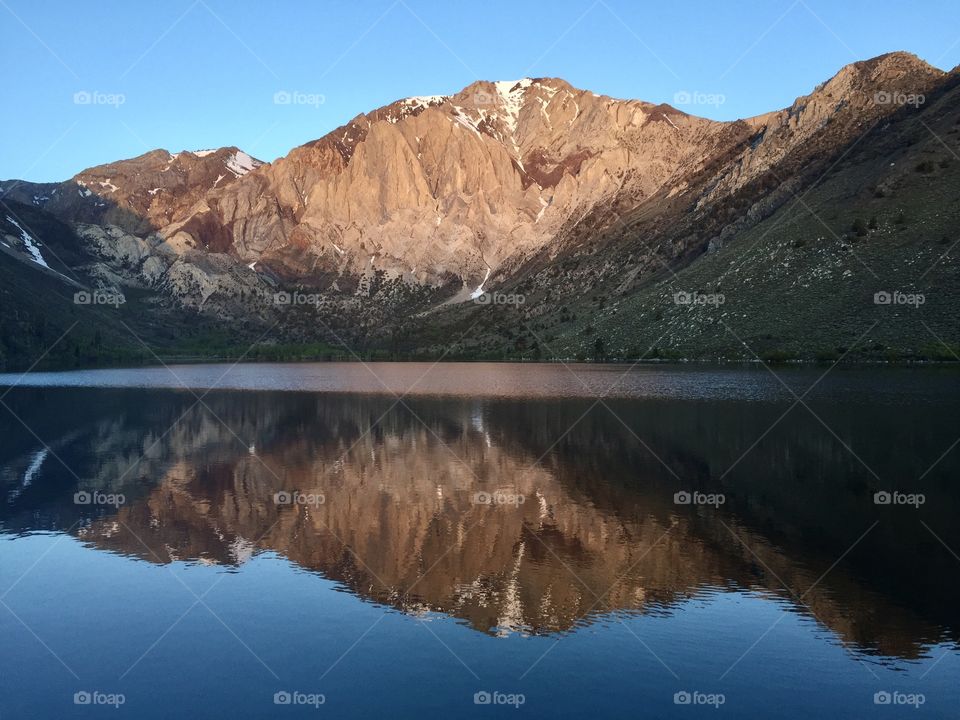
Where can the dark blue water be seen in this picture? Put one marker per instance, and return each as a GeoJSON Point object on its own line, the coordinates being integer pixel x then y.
{"type": "Point", "coordinates": [498, 541]}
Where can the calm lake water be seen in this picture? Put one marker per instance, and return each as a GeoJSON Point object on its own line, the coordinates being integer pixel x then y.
{"type": "Point", "coordinates": [472, 540]}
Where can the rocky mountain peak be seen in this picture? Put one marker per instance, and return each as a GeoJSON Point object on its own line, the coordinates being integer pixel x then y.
{"type": "Point", "coordinates": [439, 186]}
{"type": "Point", "coordinates": [159, 185]}
{"type": "Point", "coordinates": [140, 194]}
{"type": "Point", "coordinates": [897, 72]}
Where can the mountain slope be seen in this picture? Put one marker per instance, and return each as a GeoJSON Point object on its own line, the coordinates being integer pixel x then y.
{"type": "Point", "coordinates": [792, 274]}
{"type": "Point", "coordinates": [594, 212]}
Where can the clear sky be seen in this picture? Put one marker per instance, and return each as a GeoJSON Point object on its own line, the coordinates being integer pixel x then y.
{"type": "Point", "coordinates": [197, 74]}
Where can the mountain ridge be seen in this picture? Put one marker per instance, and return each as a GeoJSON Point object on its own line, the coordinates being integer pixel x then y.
{"type": "Point", "coordinates": [417, 206]}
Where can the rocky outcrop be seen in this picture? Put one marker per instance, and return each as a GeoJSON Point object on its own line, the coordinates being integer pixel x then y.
{"type": "Point", "coordinates": [139, 195]}
{"type": "Point", "coordinates": [835, 113]}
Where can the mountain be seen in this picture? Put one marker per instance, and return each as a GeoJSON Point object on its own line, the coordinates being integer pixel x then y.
{"type": "Point", "coordinates": [595, 211]}
{"type": "Point", "coordinates": [448, 186]}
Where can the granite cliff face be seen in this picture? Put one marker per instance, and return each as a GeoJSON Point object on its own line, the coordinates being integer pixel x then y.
{"type": "Point", "coordinates": [432, 187]}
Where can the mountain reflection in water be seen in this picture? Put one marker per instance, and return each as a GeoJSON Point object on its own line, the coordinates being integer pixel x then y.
{"type": "Point", "coordinates": [583, 522]}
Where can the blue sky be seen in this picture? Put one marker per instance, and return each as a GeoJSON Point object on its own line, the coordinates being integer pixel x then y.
{"type": "Point", "coordinates": [204, 73]}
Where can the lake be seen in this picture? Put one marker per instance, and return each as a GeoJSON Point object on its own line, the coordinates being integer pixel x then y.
{"type": "Point", "coordinates": [478, 540]}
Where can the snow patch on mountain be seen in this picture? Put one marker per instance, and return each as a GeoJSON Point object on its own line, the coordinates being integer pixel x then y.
{"type": "Point", "coordinates": [672, 124]}
{"type": "Point", "coordinates": [511, 96]}
{"type": "Point", "coordinates": [543, 207]}
{"type": "Point", "coordinates": [28, 243]}
{"type": "Point", "coordinates": [240, 163]}
{"type": "Point", "coordinates": [461, 118]}
{"type": "Point", "coordinates": [479, 291]}
{"type": "Point", "coordinates": [424, 100]}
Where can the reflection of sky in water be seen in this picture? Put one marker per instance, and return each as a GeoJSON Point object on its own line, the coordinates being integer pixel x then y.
{"type": "Point", "coordinates": [101, 612]}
